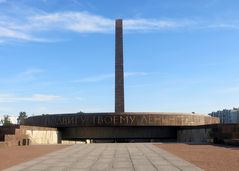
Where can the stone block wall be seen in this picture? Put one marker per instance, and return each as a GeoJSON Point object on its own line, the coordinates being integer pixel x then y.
{"type": "Point", "coordinates": [41, 135]}
{"type": "Point", "coordinates": [31, 135]}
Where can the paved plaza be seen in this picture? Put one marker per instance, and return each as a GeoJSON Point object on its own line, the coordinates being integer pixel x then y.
{"type": "Point", "coordinates": [120, 157]}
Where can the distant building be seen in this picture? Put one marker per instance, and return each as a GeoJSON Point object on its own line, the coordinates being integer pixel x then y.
{"type": "Point", "coordinates": [227, 116]}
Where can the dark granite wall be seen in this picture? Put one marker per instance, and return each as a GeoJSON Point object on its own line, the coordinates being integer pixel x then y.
{"type": "Point", "coordinates": [119, 133]}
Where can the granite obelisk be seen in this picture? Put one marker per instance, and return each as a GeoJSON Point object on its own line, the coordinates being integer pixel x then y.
{"type": "Point", "coordinates": [119, 67]}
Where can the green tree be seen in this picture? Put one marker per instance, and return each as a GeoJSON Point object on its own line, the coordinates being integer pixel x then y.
{"type": "Point", "coordinates": [21, 118]}
{"type": "Point", "coordinates": [6, 120]}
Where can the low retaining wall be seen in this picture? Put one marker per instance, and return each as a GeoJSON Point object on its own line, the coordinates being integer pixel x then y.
{"type": "Point", "coordinates": [42, 135]}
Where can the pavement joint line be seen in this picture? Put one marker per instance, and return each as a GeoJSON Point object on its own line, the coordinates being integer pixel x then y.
{"type": "Point", "coordinates": [154, 148]}
{"type": "Point", "coordinates": [87, 152]}
{"type": "Point", "coordinates": [147, 156]}
{"type": "Point", "coordinates": [35, 159]}
{"type": "Point", "coordinates": [130, 157]}
{"type": "Point", "coordinates": [97, 159]}
{"type": "Point", "coordinates": [146, 147]}
{"type": "Point", "coordinates": [164, 157]}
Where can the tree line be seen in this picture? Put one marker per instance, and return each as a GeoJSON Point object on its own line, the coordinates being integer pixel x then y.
{"type": "Point", "coordinates": [20, 120]}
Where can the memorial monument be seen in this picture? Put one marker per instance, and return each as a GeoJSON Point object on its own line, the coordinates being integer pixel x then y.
{"type": "Point", "coordinates": [121, 125]}
{"type": "Point", "coordinates": [119, 68]}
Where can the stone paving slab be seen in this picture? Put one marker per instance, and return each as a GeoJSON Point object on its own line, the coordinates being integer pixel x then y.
{"type": "Point", "coordinates": [108, 157]}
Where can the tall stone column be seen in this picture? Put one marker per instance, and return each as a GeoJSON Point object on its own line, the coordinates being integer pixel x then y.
{"type": "Point", "coordinates": [119, 67]}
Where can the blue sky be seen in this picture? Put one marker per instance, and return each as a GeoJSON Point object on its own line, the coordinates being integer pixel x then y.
{"type": "Point", "coordinates": [57, 56]}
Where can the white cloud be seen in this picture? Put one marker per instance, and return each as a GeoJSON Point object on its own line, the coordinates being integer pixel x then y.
{"type": "Point", "coordinates": [224, 25]}
{"type": "Point", "coordinates": [140, 85]}
{"type": "Point", "coordinates": [96, 78]}
{"type": "Point", "coordinates": [133, 74]}
{"type": "Point", "coordinates": [30, 74]}
{"type": "Point", "coordinates": [32, 26]}
{"type": "Point", "coordinates": [99, 78]}
{"type": "Point", "coordinates": [44, 97]}
{"type": "Point", "coordinates": [24, 76]}
{"type": "Point", "coordinates": [35, 97]}
{"type": "Point", "coordinates": [86, 22]}
{"type": "Point", "coordinates": [154, 24]}
{"type": "Point", "coordinates": [7, 98]}
{"type": "Point", "coordinates": [74, 21]}
{"type": "Point", "coordinates": [8, 33]}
